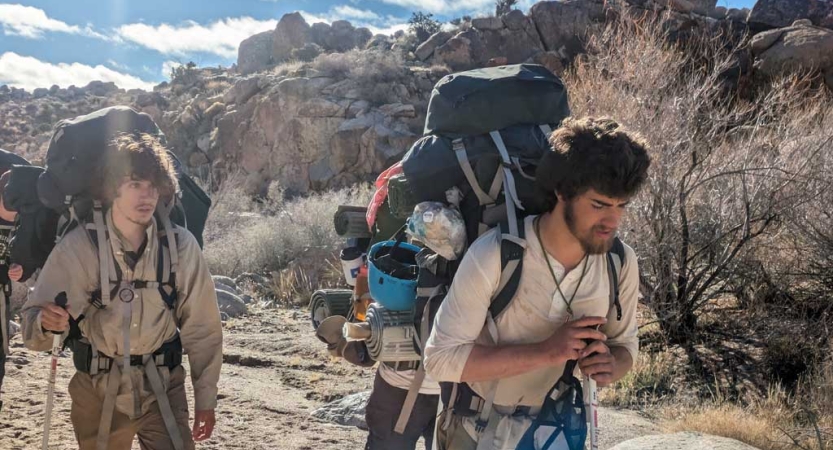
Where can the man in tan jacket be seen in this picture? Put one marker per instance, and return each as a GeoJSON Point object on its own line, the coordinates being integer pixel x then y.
{"type": "Point", "coordinates": [563, 299]}
{"type": "Point", "coordinates": [129, 380]}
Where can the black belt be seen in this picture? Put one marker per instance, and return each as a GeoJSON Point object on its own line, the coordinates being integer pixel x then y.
{"type": "Point", "coordinates": [169, 355]}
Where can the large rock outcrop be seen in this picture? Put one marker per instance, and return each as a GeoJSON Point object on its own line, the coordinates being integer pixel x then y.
{"type": "Point", "coordinates": [255, 53]}
{"type": "Point", "coordinates": [782, 13]}
{"type": "Point", "coordinates": [794, 48]}
{"type": "Point", "coordinates": [292, 32]}
{"type": "Point", "coordinates": [513, 37]}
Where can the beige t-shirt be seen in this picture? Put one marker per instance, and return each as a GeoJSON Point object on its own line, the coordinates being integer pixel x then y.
{"type": "Point", "coordinates": [535, 312]}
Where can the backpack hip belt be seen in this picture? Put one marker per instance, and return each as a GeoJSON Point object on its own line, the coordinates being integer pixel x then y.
{"type": "Point", "coordinates": [169, 355]}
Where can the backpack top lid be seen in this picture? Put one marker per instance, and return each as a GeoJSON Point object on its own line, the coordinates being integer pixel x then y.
{"type": "Point", "coordinates": [483, 100]}
{"type": "Point", "coordinates": [77, 148]}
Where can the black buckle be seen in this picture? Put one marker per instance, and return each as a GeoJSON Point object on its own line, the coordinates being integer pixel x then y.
{"type": "Point", "coordinates": [480, 425]}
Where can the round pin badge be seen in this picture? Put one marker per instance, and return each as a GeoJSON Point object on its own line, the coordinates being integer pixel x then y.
{"type": "Point", "coordinates": [126, 295]}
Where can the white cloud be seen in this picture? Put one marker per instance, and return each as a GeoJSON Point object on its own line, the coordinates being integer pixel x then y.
{"type": "Point", "coordinates": [220, 38]}
{"type": "Point", "coordinates": [443, 6]}
{"type": "Point", "coordinates": [29, 73]}
{"type": "Point", "coordinates": [348, 12]}
{"type": "Point", "coordinates": [32, 23]}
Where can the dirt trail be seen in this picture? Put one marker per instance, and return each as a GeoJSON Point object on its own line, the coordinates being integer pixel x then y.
{"type": "Point", "coordinates": [275, 373]}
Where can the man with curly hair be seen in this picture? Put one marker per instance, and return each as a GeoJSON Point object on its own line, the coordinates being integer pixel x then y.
{"type": "Point", "coordinates": [129, 380]}
{"type": "Point", "coordinates": [561, 311]}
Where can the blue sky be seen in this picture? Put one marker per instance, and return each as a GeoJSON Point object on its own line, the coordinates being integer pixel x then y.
{"type": "Point", "coordinates": [135, 42]}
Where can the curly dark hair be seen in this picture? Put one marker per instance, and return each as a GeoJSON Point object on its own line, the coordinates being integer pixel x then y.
{"type": "Point", "coordinates": [140, 157]}
{"type": "Point", "coordinates": [592, 153]}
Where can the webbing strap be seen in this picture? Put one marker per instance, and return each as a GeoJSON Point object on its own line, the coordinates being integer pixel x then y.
{"type": "Point", "coordinates": [613, 276]}
{"type": "Point", "coordinates": [164, 403]}
{"type": "Point", "coordinates": [497, 183]}
{"type": "Point", "coordinates": [509, 185]}
{"type": "Point", "coordinates": [419, 377]}
{"type": "Point", "coordinates": [545, 129]}
{"type": "Point", "coordinates": [463, 159]}
{"type": "Point", "coordinates": [109, 407]}
{"type": "Point", "coordinates": [127, 317]}
{"type": "Point", "coordinates": [103, 255]}
{"type": "Point", "coordinates": [507, 273]}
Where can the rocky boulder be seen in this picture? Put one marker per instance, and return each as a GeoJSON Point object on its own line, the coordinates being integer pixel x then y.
{"type": "Point", "coordinates": [562, 25]}
{"type": "Point", "coordinates": [341, 36]}
{"type": "Point", "coordinates": [292, 32]}
{"type": "Point", "coordinates": [793, 48]}
{"type": "Point", "coordinates": [426, 49]}
{"type": "Point", "coordinates": [349, 411]}
{"type": "Point", "coordinates": [682, 441]}
{"type": "Point", "coordinates": [517, 40]}
{"type": "Point", "coordinates": [782, 13]}
{"type": "Point", "coordinates": [255, 53]}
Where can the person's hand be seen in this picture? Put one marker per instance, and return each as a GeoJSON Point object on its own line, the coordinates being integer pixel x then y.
{"type": "Point", "coordinates": [203, 425]}
{"type": "Point", "coordinates": [15, 272]}
{"type": "Point", "coordinates": [597, 362]}
{"type": "Point", "coordinates": [567, 341]}
{"type": "Point", "coordinates": [54, 318]}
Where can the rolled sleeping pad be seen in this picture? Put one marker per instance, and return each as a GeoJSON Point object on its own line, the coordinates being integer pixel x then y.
{"type": "Point", "coordinates": [351, 222]}
{"type": "Point", "coordinates": [326, 303]}
{"type": "Point", "coordinates": [392, 334]}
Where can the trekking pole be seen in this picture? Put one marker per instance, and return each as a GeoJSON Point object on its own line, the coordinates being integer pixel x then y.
{"type": "Point", "coordinates": [592, 413]}
{"type": "Point", "coordinates": [592, 408]}
{"type": "Point", "coordinates": [60, 300]}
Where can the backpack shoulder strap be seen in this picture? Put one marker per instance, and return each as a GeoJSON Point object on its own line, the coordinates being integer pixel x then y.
{"type": "Point", "coordinates": [512, 250]}
{"type": "Point", "coordinates": [615, 261]}
{"type": "Point", "coordinates": [166, 268]}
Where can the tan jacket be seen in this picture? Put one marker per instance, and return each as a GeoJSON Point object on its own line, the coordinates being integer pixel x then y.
{"type": "Point", "coordinates": [73, 267]}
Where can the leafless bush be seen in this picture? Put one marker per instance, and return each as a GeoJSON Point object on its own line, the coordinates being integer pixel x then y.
{"type": "Point", "coordinates": [726, 172]}
{"type": "Point", "coordinates": [245, 235]}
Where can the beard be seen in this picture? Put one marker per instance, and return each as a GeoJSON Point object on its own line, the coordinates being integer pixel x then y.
{"type": "Point", "coordinates": [588, 240]}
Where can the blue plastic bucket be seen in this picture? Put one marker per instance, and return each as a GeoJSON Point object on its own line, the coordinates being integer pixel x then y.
{"type": "Point", "coordinates": [396, 293]}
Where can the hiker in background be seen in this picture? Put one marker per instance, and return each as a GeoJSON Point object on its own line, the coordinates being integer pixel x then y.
{"type": "Point", "coordinates": [561, 310]}
{"type": "Point", "coordinates": [145, 323]}
{"type": "Point", "coordinates": [390, 389]}
{"type": "Point", "coordinates": [8, 272]}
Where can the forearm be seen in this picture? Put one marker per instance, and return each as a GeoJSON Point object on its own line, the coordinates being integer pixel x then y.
{"type": "Point", "coordinates": [624, 362]}
{"type": "Point", "coordinates": [492, 363]}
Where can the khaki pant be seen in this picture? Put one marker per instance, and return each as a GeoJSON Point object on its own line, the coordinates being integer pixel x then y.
{"type": "Point", "coordinates": [150, 428]}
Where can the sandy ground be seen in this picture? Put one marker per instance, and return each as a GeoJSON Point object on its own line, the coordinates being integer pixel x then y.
{"type": "Point", "coordinates": [275, 373]}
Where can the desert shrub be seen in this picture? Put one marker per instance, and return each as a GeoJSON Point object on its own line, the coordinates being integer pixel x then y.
{"type": "Point", "coordinates": [725, 171]}
{"type": "Point", "coordinates": [265, 235]}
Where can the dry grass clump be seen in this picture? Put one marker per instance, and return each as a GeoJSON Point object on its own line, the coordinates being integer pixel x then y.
{"type": "Point", "coordinates": [265, 235]}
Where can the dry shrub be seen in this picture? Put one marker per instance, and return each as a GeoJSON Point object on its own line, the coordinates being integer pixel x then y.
{"type": "Point", "coordinates": [375, 72]}
{"type": "Point", "coordinates": [244, 235]}
{"type": "Point", "coordinates": [651, 381]}
{"type": "Point", "coordinates": [725, 170]}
